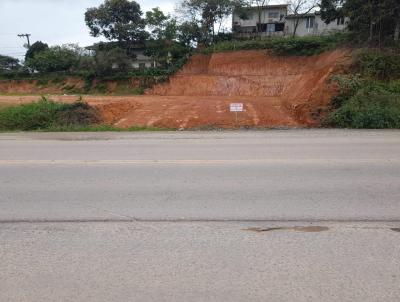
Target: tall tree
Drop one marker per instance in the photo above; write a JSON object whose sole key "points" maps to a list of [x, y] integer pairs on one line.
{"points": [[34, 49], [208, 14], [161, 26], [117, 20]]}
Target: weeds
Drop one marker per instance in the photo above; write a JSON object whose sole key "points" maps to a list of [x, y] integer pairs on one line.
{"points": [[46, 114]]}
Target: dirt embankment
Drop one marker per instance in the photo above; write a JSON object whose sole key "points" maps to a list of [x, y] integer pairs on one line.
{"points": [[74, 85], [275, 90]]}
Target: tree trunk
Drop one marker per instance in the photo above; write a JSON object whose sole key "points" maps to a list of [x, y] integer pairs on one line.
{"points": [[397, 30], [296, 25], [371, 22]]}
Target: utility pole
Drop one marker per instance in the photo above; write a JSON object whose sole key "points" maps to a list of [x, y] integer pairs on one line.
{"points": [[27, 37]]}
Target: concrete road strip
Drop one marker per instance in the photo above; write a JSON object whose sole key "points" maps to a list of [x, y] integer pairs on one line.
{"points": [[203, 162]]}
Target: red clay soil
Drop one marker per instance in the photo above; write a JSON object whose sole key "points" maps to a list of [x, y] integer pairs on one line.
{"points": [[276, 92], [34, 86]]}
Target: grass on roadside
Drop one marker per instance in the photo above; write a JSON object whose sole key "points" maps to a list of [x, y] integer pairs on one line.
{"points": [[49, 116], [46, 114], [369, 97]]}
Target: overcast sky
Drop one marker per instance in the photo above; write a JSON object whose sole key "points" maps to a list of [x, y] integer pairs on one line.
{"points": [[52, 21]]}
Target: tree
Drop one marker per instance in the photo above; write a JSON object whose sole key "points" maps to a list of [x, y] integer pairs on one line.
{"points": [[299, 9], [331, 10], [189, 33], [34, 49], [163, 27], [117, 20], [55, 59], [164, 31], [8, 64], [207, 14]]}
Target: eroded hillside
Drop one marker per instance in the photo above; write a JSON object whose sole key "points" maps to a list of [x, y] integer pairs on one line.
{"points": [[276, 91]]}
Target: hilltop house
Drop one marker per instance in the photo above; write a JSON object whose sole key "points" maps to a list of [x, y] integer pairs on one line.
{"points": [[260, 21], [274, 20]]}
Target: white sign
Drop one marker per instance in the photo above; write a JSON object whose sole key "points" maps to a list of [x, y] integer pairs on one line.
{"points": [[236, 107]]}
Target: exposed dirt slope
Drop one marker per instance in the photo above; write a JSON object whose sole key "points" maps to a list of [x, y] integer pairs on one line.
{"points": [[276, 91]]}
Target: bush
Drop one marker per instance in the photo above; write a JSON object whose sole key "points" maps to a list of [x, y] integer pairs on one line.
{"points": [[371, 110], [46, 114], [378, 64]]}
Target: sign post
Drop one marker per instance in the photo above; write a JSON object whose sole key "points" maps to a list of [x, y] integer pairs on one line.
{"points": [[236, 107]]}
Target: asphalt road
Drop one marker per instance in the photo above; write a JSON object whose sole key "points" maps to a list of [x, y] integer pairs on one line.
{"points": [[302, 215]]}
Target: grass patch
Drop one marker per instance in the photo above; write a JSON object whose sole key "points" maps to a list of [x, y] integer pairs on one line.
{"points": [[49, 116], [372, 110], [287, 46], [46, 114]]}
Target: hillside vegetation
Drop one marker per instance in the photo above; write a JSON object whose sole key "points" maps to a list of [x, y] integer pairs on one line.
{"points": [[369, 96], [288, 46]]}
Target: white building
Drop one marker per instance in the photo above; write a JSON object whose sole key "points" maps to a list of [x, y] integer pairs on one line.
{"points": [[273, 20], [265, 21], [312, 24]]}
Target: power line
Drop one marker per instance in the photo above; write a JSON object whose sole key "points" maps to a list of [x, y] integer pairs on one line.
{"points": [[9, 47]]}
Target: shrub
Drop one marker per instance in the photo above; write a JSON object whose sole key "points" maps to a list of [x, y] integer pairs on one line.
{"points": [[372, 110], [46, 114], [77, 114], [301, 46], [382, 65]]}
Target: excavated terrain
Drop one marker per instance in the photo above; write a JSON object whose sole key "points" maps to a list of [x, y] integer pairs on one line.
{"points": [[277, 91]]}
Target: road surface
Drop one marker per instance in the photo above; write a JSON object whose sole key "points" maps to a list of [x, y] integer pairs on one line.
{"points": [[299, 215]]}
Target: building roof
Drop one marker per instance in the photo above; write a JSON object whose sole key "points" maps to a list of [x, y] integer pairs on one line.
{"points": [[303, 15], [267, 7]]}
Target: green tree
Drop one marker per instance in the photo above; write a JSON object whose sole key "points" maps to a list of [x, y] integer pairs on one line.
{"points": [[189, 32], [8, 64], [117, 20], [209, 15], [34, 49], [55, 59]]}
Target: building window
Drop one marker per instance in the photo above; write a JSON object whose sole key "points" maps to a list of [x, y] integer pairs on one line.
{"points": [[270, 27], [310, 22], [273, 15], [279, 26]]}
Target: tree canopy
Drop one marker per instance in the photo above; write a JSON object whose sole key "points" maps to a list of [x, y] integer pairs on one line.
{"points": [[8, 63], [208, 14], [34, 49], [55, 59], [117, 20]]}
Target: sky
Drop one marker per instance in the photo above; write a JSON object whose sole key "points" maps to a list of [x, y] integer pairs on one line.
{"points": [[54, 22]]}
